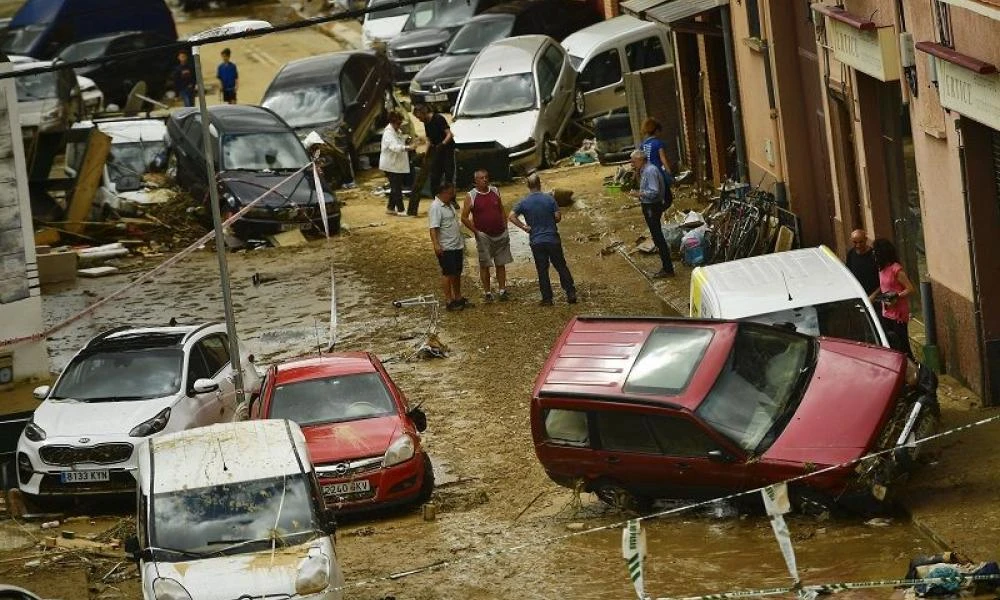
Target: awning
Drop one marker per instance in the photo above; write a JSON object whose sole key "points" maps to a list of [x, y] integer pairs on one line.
{"points": [[669, 11], [963, 60]]}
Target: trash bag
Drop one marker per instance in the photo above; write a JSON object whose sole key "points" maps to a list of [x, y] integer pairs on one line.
{"points": [[693, 247]]}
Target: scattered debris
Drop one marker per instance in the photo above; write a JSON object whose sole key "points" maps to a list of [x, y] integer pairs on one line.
{"points": [[563, 197], [432, 347], [101, 253], [287, 239], [576, 526], [97, 271], [429, 511], [878, 522]]}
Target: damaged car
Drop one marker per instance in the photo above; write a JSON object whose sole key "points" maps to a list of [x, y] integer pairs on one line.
{"points": [[254, 150], [637, 409]]}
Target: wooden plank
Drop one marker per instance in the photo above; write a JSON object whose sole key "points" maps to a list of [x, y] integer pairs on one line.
{"points": [[88, 180]]}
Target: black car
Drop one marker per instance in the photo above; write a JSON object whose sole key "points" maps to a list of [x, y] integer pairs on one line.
{"points": [[343, 96], [254, 151], [426, 34], [439, 82], [117, 77]]}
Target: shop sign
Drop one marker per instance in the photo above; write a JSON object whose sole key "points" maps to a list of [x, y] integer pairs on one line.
{"points": [[971, 94], [872, 52]]}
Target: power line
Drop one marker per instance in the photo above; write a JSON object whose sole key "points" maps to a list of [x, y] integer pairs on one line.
{"points": [[186, 45]]}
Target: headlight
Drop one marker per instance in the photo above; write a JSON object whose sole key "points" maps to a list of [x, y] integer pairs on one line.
{"points": [[313, 576], [414, 86], [230, 200], [912, 370], [169, 589], [34, 432], [154, 425], [399, 451], [523, 146]]}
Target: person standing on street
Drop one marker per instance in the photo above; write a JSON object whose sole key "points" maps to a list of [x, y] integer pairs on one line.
{"points": [[483, 214], [394, 161], [449, 245], [651, 198], [184, 80], [656, 154], [894, 290], [860, 261], [439, 162], [541, 215], [229, 78]]}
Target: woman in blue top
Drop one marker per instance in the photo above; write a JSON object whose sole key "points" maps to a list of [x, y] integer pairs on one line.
{"points": [[656, 154]]}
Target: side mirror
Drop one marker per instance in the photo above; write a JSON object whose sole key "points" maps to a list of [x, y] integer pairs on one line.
{"points": [[419, 419], [719, 456], [41, 392], [205, 386]]}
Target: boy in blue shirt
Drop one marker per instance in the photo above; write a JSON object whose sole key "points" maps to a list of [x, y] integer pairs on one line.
{"points": [[229, 77]]}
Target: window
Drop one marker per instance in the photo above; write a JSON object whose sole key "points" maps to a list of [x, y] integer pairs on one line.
{"points": [[197, 368], [548, 71], [847, 319], [645, 53], [753, 18], [350, 86], [604, 70], [680, 437], [626, 432], [216, 353], [942, 18], [668, 360], [567, 427]]}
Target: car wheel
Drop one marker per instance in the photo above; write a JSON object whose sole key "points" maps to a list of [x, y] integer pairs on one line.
{"points": [[619, 498], [579, 103], [427, 486], [550, 152]]}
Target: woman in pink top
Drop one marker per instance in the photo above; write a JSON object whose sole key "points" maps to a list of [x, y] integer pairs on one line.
{"points": [[894, 290]]}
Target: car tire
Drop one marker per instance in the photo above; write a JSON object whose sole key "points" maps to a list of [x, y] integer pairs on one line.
{"points": [[579, 103], [427, 485], [617, 497], [550, 152]]}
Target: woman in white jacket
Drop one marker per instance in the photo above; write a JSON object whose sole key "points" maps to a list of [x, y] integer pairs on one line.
{"points": [[394, 161]]}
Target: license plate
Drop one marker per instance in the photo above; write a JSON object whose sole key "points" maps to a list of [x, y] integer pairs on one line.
{"points": [[344, 489], [85, 476], [413, 68], [437, 97]]}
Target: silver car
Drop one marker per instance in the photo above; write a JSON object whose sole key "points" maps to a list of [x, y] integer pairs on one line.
{"points": [[518, 95]]}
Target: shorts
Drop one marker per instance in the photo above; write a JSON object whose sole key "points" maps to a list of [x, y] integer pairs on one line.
{"points": [[229, 95], [451, 262], [493, 250]]}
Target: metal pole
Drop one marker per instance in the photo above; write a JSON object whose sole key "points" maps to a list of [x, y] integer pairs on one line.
{"points": [[734, 94], [220, 242]]}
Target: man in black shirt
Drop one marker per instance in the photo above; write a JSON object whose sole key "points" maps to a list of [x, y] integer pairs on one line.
{"points": [[861, 261], [439, 162]]}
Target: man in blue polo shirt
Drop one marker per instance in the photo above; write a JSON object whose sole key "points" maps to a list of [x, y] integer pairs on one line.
{"points": [[229, 78], [541, 213]]}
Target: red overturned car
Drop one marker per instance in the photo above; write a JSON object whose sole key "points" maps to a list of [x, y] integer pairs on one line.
{"points": [[637, 409], [363, 437]]}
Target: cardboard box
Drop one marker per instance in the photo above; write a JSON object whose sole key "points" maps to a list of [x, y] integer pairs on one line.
{"points": [[54, 267]]}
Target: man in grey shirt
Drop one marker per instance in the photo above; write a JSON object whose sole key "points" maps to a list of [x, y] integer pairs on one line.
{"points": [[449, 245], [651, 194]]}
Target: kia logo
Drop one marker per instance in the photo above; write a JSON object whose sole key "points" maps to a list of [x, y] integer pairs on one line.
{"points": [[84, 440]]}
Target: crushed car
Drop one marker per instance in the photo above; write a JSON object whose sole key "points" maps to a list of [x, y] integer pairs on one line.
{"points": [[638, 409], [363, 436]]}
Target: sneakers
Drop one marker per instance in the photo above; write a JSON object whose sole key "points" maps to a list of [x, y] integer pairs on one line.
{"points": [[488, 297], [545, 302], [504, 296], [400, 213], [661, 274]]}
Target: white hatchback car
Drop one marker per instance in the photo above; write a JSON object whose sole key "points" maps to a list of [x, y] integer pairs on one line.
{"points": [[518, 94], [124, 386]]}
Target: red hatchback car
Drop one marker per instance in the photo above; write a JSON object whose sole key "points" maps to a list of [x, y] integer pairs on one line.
{"points": [[638, 409], [363, 437]]}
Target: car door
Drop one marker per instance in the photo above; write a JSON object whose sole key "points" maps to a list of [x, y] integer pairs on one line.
{"points": [[706, 468], [632, 457], [602, 84], [198, 410], [191, 171], [216, 351], [352, 81], [547, 76]]}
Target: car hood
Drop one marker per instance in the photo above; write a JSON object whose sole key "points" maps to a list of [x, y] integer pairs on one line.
{"points": [[383, 29], [843, 409], [71, 418], [447, 67], [333, 442], [508, 130], [245, 186], [259, 573], [420, 38]]}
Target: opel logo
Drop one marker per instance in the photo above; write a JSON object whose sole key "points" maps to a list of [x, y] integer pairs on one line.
{"points": [[84, 440], [340, 469]]}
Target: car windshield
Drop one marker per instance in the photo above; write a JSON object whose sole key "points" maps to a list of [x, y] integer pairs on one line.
{"points": [[344, 398], [132, 159], [84, 50], [668, 359], [472, 38], [440, 13], [20, 40], [304, 106], [847, 319], [120, 375], [759, 387], [270, 151], [232, 518], [498, 96], [396, 11], [40, 86]]}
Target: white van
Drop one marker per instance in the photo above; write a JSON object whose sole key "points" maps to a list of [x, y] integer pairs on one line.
{"points": [[809, 290], [232, 511], [604, 52]]}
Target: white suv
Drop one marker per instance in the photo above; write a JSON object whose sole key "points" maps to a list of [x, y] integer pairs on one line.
{"points": [[125, 385]]}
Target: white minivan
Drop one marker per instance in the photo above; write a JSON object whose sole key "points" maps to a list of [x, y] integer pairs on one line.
{"points": [[233, 511], [604, 52], [808, 290]]}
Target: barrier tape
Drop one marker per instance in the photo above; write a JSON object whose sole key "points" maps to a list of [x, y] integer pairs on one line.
{"points": [[829, 588], [148, 274], [676, 510]]}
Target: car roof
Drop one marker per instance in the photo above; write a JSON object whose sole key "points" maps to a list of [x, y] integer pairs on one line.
{"points": [[128, 130], [107, 37], [237, 118], [595, 355], [507, 56], [144, 337], [513, 7], [582, 42], [226, 453], [780, 281], [313, 68], [328, 365]]}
